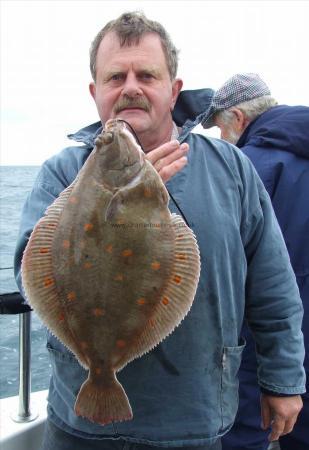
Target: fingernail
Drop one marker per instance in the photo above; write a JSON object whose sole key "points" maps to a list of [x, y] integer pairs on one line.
{"points": [[175, 143]]}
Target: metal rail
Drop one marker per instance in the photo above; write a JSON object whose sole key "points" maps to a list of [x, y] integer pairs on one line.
{"points": [[24, 413]]}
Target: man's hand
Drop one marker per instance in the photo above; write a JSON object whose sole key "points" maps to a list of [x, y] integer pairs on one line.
{"points": [[279, 413], [168, 159]]}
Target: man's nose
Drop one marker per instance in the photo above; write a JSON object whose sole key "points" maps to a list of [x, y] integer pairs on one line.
{"points": [[131, 86]]}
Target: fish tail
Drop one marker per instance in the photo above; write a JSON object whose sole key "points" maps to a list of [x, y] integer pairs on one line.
{"points": [[103, 400]]}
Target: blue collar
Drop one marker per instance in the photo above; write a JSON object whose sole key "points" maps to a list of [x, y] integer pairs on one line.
{"points": [[88, 134]]}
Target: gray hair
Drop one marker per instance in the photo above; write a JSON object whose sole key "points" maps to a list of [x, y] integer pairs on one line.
{"points": [[251, 108], [129, 28]]}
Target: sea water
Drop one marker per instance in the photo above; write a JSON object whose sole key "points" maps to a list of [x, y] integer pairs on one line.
{"points": [[15, 184]]}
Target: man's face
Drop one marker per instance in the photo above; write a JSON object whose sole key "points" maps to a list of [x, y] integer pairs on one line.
{"points": [[228, 130], [133, 83]]}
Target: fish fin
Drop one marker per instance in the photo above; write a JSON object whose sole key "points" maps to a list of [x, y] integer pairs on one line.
{"points": [[113, 209], [178, 295], [103, 400], [37, 274]]}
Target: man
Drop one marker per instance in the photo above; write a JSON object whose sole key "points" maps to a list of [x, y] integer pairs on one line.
{"points": [[186, 398], [276, 140]]}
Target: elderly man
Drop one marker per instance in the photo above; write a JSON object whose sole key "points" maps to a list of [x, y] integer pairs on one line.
{"points": [[276, 139], [186, 395]]}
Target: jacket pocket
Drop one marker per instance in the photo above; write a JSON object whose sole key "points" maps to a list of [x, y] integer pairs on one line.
{"points": [[67, 373], [231, 359]]}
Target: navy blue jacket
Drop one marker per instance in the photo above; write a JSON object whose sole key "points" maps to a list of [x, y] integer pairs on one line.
{"points": [[277, 143]]}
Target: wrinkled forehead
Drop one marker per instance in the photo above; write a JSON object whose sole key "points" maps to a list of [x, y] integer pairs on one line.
{"points": [[148, 51]]}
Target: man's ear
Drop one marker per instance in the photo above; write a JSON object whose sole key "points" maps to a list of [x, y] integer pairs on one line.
{"points": [[176, 88], [92, 89], [240, 120]]}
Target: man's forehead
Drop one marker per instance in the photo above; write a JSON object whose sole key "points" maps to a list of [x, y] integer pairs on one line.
{"points": [[111, 42], [147, 55]]}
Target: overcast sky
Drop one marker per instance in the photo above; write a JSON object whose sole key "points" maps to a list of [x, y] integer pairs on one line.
{"points": [[45, 48]]}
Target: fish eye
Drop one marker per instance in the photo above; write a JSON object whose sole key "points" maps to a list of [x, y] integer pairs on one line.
{"points": [[108, 137]]}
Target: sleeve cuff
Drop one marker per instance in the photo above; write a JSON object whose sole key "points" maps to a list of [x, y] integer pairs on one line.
{"points": [[275, 394]]}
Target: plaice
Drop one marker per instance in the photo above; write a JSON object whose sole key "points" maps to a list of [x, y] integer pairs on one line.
{"points": [[109, 270]]}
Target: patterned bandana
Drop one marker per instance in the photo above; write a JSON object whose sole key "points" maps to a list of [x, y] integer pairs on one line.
{"points": [[237, 89]]}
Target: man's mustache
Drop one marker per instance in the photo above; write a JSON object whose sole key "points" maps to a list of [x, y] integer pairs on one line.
{"points": [[127, 102]]}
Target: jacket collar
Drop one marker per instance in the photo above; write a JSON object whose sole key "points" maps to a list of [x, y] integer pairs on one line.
{"points": [[282, 127], [87, 135]]}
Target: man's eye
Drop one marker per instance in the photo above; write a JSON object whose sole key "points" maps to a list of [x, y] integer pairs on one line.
{"points": [[146, 76], [117, 77]]}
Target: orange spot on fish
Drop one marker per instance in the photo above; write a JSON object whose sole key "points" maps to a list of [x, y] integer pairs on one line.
{"points": [[181, 256], [155, 265], [127, 252], [98, 312], [177, 279], [44, 250], [88, 226], [120, 222], [180, 236], [121, 343], [109, 248], [87, 265], [49, 282], [118, 277], [66, 244], [147, 193], [73, 200], [141, 301], [84, 345], [98, 370], [71, 296], [61, 317], [165, 301]]}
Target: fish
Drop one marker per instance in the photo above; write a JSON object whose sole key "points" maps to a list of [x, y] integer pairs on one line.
{"points": [[110, 270]]}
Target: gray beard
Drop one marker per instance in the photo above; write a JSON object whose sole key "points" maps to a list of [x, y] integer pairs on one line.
{"points": [[233, 137]]}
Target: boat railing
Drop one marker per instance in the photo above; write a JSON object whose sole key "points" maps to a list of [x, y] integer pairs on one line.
{"points": [[14, 303]]}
